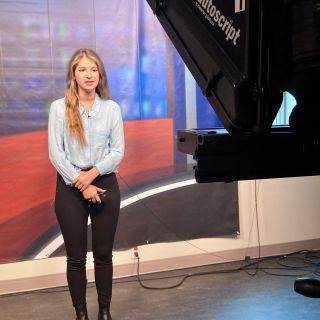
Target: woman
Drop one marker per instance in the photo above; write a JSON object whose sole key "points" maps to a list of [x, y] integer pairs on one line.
{"points": [[86, 146]]}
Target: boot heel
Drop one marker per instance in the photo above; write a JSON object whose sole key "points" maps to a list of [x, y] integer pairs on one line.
{"points": [[81, 313], [104, 314]]}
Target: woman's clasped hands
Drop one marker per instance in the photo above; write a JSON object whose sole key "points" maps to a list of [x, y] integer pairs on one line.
{"points": [[83, 183]]}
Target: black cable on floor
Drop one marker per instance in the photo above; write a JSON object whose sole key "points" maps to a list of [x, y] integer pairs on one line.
{"points": [[256, 266]]}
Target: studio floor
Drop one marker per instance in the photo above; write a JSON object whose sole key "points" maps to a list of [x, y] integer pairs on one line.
{"points": [[212, 292]]}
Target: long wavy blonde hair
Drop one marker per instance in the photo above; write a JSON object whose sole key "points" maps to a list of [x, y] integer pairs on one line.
{"points": [[73, 116]]}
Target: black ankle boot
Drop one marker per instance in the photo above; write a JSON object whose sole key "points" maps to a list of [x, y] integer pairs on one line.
{"points": [[104, 314], [81, 313]]}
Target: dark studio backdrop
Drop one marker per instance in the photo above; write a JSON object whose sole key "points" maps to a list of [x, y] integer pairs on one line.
{"points": [[147, 78]]}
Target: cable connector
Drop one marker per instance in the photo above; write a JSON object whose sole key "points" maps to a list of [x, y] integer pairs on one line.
{"points": [[135, 252]]}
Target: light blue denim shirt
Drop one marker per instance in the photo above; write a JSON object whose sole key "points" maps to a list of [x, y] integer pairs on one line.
{"points": [[103, 129]]}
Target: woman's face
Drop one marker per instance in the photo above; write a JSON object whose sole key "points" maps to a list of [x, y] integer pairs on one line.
{"points": [[86, 75]]}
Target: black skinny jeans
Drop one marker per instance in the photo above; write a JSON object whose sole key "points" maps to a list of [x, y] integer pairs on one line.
{"points": [[72, 212]]}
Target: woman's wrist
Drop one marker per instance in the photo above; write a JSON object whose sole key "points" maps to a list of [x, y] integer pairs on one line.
{"points": [[95, 172]]}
